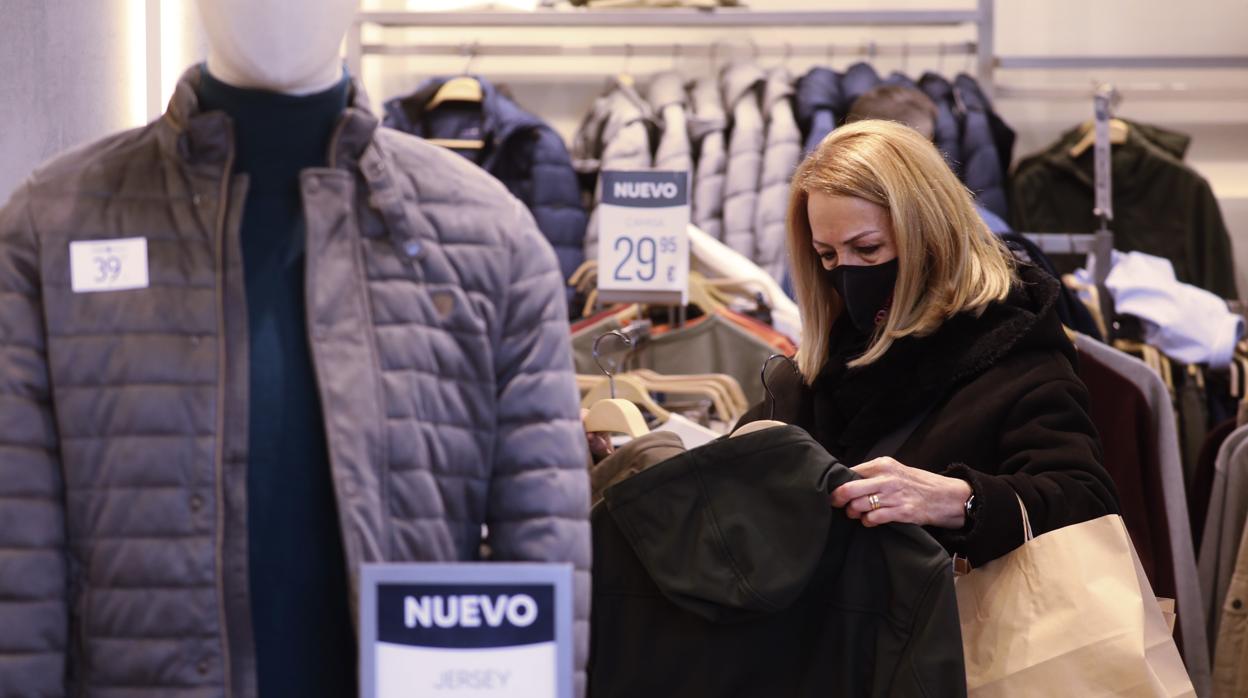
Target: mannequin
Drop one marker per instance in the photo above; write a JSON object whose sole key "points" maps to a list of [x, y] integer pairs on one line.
{"points": [[287, 46], [325, 344], [274, 69]]}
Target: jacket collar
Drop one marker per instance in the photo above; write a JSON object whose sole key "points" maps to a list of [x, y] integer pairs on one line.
{"points": [[856, 407], [820, 88], [203, 141], [739, 79], [205, 138]]}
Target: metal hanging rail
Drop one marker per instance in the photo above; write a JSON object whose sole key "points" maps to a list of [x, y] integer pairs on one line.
{"points": [[981, 18], [674, 17], [670, 50]]}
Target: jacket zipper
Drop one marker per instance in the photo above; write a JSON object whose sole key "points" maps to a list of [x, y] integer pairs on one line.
{"points": [[219, 253]]}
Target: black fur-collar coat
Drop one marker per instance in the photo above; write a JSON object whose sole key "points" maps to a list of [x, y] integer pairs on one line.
{"points": [[1007, 413]]}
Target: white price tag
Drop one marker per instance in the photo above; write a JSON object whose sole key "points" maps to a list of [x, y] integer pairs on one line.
{"points": [[108, 265], [497, 630], [643, 241]]}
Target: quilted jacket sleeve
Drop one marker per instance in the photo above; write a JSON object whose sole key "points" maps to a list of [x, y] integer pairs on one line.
{"points": [[539, 494], [34, 616]]}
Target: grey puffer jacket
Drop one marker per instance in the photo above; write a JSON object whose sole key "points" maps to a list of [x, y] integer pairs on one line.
{"points": [[615, 135], [670, 105], [741, 85], [437, 328], [781, 155], [712, 161]]}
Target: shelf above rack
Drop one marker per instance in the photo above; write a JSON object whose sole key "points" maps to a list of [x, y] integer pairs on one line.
{"points": [[720, 17]]}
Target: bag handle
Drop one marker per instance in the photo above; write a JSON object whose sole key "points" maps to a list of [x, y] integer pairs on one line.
{"points": [[962, 566], [1022, 508]]}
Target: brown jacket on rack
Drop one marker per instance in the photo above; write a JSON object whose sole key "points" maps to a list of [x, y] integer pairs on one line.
{"points": [[1161, 206]]}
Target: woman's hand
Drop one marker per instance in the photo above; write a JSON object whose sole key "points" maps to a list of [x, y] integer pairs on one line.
{"points": [[903, 495]]}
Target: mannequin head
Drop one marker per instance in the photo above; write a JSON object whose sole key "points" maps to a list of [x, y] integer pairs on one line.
{"points": [[289, 46]]}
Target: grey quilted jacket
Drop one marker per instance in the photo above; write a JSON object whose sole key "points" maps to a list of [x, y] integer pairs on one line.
{"points": [[781, 155], [741, 86], [712, 162], [615, 135], [670, 103], [437, 329]]}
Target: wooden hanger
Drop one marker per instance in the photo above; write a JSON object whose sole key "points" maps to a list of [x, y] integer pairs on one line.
{"points": [[459, 89], [700, 295], [617, 417], [1118, 132], [582, 273], [614, 414], [629, 388], [728, 386], [678, 386]]}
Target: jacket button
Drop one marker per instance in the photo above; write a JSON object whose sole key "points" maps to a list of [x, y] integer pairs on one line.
{"points": [[202, 667], [195, 340], [197, 503], [1237, 604], [313, 186], [412, 249], [197, 200]]}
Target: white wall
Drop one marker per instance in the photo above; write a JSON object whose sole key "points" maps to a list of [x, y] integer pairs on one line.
{"points": [[63, 78]]}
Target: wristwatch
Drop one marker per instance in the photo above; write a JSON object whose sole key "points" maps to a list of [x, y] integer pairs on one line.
{"points": [[971, 507]]}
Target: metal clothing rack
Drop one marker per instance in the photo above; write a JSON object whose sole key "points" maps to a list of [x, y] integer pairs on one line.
{"points": [[981, 18]]}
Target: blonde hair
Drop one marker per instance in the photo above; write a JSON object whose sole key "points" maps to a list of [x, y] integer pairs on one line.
{"points": [[948, 260]]}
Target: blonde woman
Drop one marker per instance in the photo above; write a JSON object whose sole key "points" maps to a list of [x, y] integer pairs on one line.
{"points": [[919, 327]]}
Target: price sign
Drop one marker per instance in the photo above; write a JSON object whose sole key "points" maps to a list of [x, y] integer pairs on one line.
{"points": [[496, 630], [643, 244], [108, 265]]}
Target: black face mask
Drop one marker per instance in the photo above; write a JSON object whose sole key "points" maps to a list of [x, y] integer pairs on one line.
{"points": [[867, 292]]}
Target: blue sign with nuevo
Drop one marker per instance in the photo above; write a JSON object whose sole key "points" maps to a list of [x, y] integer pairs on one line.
{"points": [[465, 616], [659, 189]]}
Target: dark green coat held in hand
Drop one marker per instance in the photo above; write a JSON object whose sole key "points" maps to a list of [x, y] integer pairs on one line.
{"points": [[1007, 413]]}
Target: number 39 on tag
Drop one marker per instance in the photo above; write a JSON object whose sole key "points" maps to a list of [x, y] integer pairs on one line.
{"points": [[643, 246], [108, 265]]}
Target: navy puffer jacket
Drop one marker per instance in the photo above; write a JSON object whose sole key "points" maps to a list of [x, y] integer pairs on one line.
{"points": [[858, 79], [948, 130], [981, 160], [817, 105], [521, 150]]}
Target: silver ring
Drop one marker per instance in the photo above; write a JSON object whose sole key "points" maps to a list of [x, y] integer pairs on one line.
{"points": [[874, 501]]}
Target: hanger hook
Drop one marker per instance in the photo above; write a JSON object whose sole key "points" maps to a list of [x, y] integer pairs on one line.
{"points": [[767, 388], [940, 57], [872, 49], [628, 59], [829, 50], [470, 56], [598, 358], [905, 57], [788, 53], [675, 55]]}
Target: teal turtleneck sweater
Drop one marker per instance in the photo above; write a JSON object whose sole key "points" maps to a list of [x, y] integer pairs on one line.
{"points": [[300, 610]]}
